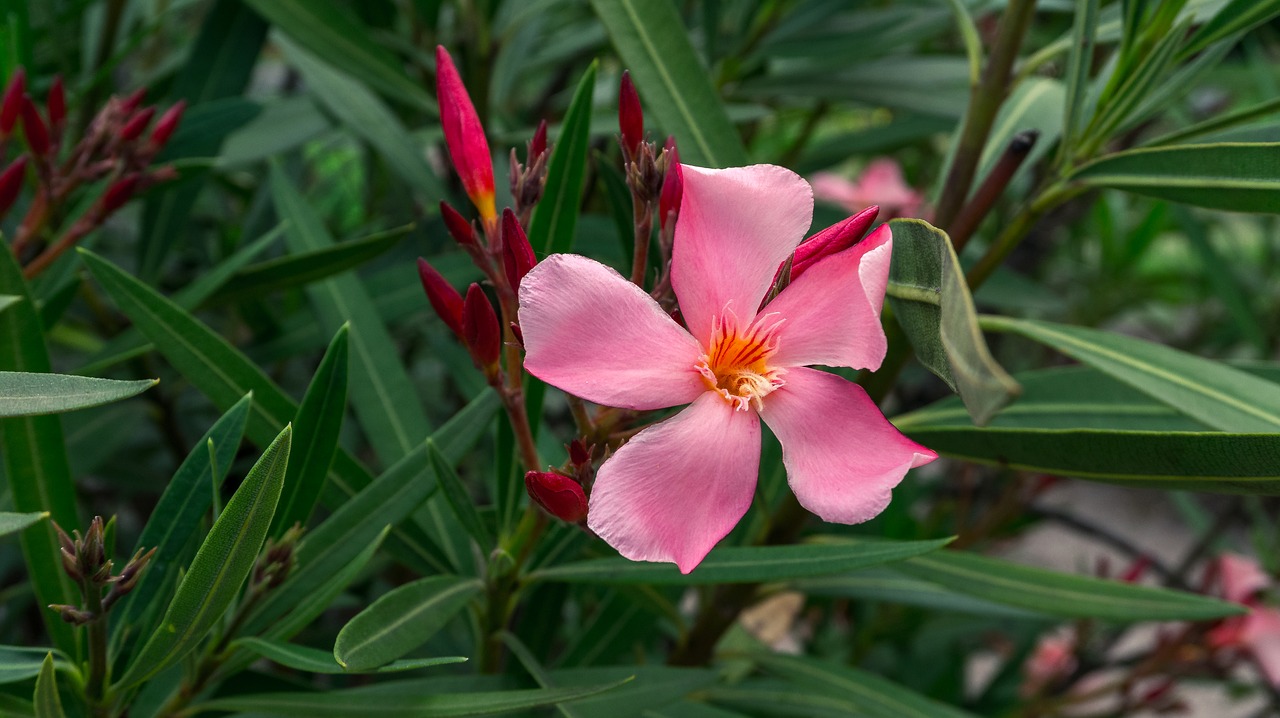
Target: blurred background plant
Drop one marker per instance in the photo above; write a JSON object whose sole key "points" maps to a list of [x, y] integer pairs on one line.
{"points": [[326, 485]]}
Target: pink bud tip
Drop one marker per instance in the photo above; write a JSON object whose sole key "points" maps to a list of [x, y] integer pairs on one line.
{"points": [[11, 105], [672, 186], [11, 183], [464, 136], [443, 297], [33, 126], [119, 193], [167, 123], [133, 129], [517, 254], [480, 327], [538, 144], [561, 496], [459, 228], [131, 103], [836, 238], [630, 116], [57, 102]]}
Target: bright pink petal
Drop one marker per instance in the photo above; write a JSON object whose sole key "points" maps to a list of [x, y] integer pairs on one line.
{"points": [[843, 457], [1261, 634], [677, 488], [832, 311], [735, 227], [596, 335], [1241, 577]]}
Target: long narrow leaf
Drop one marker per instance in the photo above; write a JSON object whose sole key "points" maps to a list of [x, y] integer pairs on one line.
{"points": [[402, 620], [1241, 177], [32, 394]]}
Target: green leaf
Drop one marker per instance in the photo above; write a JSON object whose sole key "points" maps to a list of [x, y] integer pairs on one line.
{"points": [[32, 394], [398, 700], [315, 430], [12, 523], [1037, 104], [1061, 594], [744, 564], [455, 493], [1079, 63], [47, 702], [35, 458], [887, 585], [401, 620], [555, 218], [7, 300], [930, 298], [651, 688], [219, 569], [326, 30], [1215, 394], [223, 56], [1223, 279], [652, 41], [361, 112], [1241, 177], [1238, 16], [875, 696], [176, 518], [19, 663], [776, 698], [314, 660]]}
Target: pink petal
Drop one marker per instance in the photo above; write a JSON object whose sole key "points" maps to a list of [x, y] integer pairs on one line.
{"points": [[677, 488], [735, 227], [882, 183], [596, 335], [464, 136], [843, 457], [1261, 634], [1241, 577], [832, 311], [830, 187]]}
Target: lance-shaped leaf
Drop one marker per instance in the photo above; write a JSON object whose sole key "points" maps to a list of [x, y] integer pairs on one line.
{"points": [[12, 523], [31, 394], [459, 499], [1236, 176], [7, 300], [47, 703], [314, 660], [220, 567], [931, 301], [401, 620], [876, 697], [555, 218], [20, 663]]}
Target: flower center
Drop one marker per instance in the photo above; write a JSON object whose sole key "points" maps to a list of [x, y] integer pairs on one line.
{"points": [[736, 365]]}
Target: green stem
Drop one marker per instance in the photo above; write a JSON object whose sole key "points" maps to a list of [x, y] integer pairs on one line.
{"points": [[1017, 230], [99, 664]]}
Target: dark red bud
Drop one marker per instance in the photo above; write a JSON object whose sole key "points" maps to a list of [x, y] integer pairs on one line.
{"points": [[480, 327], [33, 126], [11, 106], [459, 228], [538, 144], [119, 193], [130, 103], [134, 128], [672, 186], [517, 253], [630, 116], [443, 297], [1136, 569], [57, 103], [167, 124], [836, 238], [11, 183], [579, 453], [561, 496]]}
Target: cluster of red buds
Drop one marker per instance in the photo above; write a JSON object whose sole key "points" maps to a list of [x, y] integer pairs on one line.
{"points": [[115, 149], [561, 492], [84, 558]]}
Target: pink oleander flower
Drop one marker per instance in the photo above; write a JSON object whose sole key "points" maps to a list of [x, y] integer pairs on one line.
{"points": [[1257, 632], [678, 487], [1053, 659], [464, 136], [881, 183]]}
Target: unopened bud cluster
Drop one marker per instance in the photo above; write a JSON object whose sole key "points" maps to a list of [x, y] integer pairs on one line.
{"points": [[276, 561], [84, 559]]}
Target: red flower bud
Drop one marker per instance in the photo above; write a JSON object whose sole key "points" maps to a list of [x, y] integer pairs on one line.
{"points": [[130, 103], [579, 453], [561, 496], [459, 228], [630, 116], [443, 297], [538, 144], [11, 183], [672, 186], [57, 103], [167, 124], [11, 106], [33, 126], [119, 193], [480, 327], [517, 254], [133, 129], [464, 136], [836, 238]]}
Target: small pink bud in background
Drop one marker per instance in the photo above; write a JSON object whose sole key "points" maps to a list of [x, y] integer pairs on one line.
{"points": [[134, 128], [34, 128], [836, 238], [672, 186], [560, 496], [167, 124], [464, 136], [118, 193], [881, 184], [11, 183], [459, 228], [517, 254], [11, 105], [630, 116], [131, 103], [480, 328], [443, 297], [538, 144], [57, 103]]}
